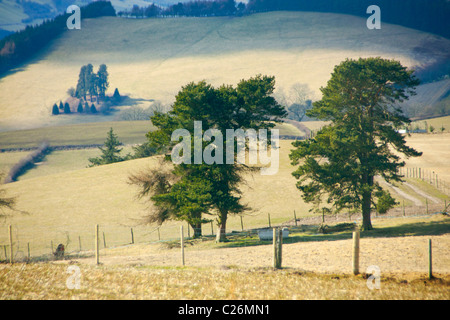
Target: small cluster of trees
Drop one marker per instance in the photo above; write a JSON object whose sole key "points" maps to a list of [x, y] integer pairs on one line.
{"points": [[197, 193], [89, 84], [94, 84]]}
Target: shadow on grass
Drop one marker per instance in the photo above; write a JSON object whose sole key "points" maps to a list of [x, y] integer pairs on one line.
{"points": [[429, 228]]}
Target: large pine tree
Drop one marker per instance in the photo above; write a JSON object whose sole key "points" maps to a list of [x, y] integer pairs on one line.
{"points": [[338, 167]]}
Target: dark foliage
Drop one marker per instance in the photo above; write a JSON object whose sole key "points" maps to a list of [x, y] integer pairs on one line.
{"points": [[22, 45], [426, 15], [27, 163]]}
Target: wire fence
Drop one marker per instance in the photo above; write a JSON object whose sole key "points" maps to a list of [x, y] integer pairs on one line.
{"points": [[38, 242], [41, 245]]}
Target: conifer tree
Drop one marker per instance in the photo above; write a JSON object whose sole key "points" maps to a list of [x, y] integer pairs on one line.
{"points": [[110, 151], [66, 108], [80, 107], [102, 80], [55, 110], [339, 165]]}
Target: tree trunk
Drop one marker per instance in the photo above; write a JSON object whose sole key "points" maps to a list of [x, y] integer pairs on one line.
{"points": [[221, 232], [366, 203], [366, 222], [197, 230]]}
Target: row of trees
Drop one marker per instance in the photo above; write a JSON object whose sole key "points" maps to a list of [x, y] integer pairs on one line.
{"points": [[200, 8], [20, 46], [65, 108]]}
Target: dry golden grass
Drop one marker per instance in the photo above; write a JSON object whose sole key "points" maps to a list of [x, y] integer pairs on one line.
{"points": [[436, 153], [48, 281]]}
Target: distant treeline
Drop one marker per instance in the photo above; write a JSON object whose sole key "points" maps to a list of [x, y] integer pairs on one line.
{"points": [[426, 15], [18, 47], [200, 8]]}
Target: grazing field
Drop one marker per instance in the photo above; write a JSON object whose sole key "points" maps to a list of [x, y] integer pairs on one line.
{"points": [[65, 200], [150, 59], [314, 267], [437, 123], [129, 132]]}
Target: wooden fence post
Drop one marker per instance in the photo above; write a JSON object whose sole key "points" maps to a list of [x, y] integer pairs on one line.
{"points": [[355, 252], [132, 236], [104, 240], [28, 256], [242, 224], [280, 247], [277, 247], [274, 241], [11, 256], [79, 242], [295, 218], [430, 260], [182, 245], [97, 256], [268, 215]]}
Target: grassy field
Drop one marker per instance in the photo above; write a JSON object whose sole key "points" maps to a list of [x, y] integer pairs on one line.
{"points": [[65, 200], [150, 59], [315, 266], [48, 281], [129, 132], [437, 123]]}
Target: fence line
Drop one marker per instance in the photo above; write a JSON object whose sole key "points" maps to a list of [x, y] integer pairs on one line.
{"points": [[426, 175], [18, 247]]}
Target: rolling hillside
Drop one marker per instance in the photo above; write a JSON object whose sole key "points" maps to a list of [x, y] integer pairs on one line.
{"points": [[150, 59], [64, 199]]}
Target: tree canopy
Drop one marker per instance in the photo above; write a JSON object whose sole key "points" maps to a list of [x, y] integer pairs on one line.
{"points": [[193, 190]]}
